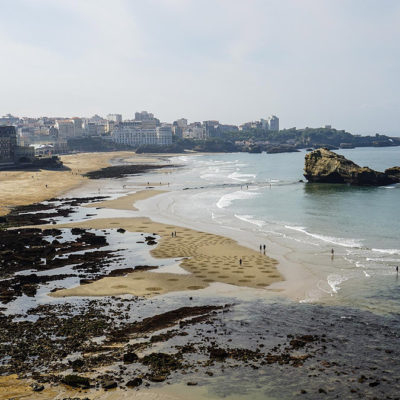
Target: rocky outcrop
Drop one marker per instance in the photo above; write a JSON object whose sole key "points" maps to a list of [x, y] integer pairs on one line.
{"points": [[325, 166]]}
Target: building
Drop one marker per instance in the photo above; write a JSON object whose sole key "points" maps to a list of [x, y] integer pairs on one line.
{"points": [[143, 116], [195, 131], [65, 128], [142, 132], [8, 144], [211, 128], [116, 118], [164, 134], [78, 126], [273, 123]]}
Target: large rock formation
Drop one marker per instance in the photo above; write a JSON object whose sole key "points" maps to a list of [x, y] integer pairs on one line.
{"points": [[322, 165]]}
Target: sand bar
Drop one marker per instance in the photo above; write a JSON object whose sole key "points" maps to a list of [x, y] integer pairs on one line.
{"points": [[208, 257], [126, 202]]}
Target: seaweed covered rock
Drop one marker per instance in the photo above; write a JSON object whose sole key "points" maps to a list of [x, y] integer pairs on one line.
{"points": [[323, 165]]}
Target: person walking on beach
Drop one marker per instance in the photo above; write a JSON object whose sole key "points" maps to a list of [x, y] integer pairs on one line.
{"points": [[240, 261], [264, 248], [397, 269], [260, 248], [332, 251]]}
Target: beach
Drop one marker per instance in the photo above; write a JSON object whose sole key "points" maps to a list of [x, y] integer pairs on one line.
{"points": [[148, 279]]}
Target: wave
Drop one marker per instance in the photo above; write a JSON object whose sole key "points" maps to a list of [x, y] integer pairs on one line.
{"points": [[328, 239], [250, 219], [227, 199], [387, 251], [241, 177], [334, 280]]}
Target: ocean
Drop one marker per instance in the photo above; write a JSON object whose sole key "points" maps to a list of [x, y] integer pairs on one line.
{"points": [[260, 198]]}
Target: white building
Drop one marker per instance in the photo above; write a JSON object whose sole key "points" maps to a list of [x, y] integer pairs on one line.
{"points": [[117, 118], [65, 128], [195, 132], [137, 133]]}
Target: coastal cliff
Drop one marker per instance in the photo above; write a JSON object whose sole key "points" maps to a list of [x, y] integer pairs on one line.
{"points": [[325, 166]]}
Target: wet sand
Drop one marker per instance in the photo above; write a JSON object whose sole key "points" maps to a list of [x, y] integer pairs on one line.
{"points": [[207, 257], [13, 388], [126, 202]]}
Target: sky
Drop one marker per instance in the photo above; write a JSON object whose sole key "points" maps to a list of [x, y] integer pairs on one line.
{"points": [[310, 62]]}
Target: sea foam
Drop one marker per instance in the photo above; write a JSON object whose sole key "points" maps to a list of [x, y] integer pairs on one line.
{"points": [[227, 199], [328, 239]]}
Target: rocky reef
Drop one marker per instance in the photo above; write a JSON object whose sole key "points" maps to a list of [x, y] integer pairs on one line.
{"points": [[325, 166]]}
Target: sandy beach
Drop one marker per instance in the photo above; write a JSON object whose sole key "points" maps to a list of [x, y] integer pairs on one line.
{"points": [[27, 187]]}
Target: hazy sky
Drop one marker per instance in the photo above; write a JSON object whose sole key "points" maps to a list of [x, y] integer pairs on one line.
{"points": [[311, 62]]}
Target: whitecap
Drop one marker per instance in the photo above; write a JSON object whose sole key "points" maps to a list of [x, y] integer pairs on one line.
{"points": [[241, 177], [329, 239], [334, 280], [227, 199], [387, 251], [250, 219]]}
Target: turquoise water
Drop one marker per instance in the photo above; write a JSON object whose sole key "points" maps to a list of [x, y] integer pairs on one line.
{"points": [[261, 194]]}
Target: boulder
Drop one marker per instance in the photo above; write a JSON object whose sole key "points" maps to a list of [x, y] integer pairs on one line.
{"points": [[325, 166]]}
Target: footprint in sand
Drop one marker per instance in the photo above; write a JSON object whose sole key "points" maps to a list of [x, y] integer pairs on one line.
{"points": [[119, 287], [173, 279], [153, 289], [195, 287]]}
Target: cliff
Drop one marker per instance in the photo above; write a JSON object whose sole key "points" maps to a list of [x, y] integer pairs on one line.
{"points": [[325, 166]]}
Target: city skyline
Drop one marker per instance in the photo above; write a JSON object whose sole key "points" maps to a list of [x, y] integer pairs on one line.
{"points": [[311, 63]]}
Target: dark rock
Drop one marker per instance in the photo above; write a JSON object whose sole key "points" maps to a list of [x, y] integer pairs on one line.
{"points": [[121, 230], [325, 166], [157, 378], [134, 382], [130, 357], [192, 384], [76, 364], [109, 385], [322, 391], [76, 381], [36, 387], [373, 384], [218, 354]]}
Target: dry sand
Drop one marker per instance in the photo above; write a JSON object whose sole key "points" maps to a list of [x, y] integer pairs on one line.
{"points": [[27, 187], [208, 257]]}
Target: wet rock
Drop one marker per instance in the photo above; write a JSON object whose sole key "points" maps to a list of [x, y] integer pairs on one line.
{"points": [[76, 381], [37, 387], [323, 165], [191, 383], [134, 382], [121, 230], [109, 385], [373, 384], [157, 378], [130, 357], [218, 354]]}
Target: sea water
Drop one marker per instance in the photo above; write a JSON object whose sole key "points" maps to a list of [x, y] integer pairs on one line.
{"points": [[262, 195]]}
